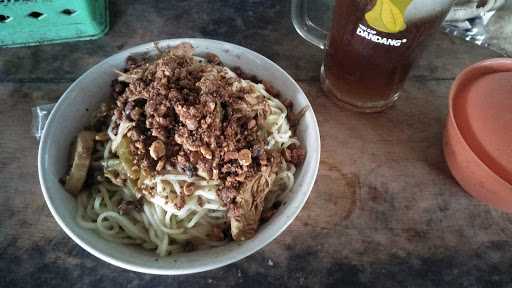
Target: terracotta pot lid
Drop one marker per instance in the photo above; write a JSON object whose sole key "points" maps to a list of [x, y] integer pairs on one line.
{"points": [[484, 117], [479, 131]]}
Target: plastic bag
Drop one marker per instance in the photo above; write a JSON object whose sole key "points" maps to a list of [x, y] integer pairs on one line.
{"points": [[40, 115], [468, 19]]}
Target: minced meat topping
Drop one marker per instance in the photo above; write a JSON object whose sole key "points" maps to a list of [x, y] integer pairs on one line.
{"points": [[195, 117]]}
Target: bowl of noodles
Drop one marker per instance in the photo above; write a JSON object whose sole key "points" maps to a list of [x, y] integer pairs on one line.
{"points": [[179, 156]]}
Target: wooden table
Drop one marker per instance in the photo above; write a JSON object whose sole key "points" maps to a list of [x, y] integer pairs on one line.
{"points": [[385, 210]]}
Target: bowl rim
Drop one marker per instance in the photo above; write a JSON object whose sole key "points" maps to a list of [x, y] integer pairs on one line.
{"points": [[177, 271], [487, 66]]}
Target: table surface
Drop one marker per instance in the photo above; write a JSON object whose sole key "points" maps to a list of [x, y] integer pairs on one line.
{"points": [[384, 211]]}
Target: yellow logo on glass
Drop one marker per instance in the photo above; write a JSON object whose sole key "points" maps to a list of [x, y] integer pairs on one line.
{"points": [[388, 15]]}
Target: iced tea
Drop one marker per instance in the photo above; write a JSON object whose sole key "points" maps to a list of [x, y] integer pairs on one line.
{"points": [[371, 47]]}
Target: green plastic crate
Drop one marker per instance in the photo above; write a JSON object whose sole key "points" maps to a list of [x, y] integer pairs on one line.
{"points": [[34, 22]]}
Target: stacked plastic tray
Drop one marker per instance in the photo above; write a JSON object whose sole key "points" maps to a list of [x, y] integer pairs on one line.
{"points": [[34, 22]]}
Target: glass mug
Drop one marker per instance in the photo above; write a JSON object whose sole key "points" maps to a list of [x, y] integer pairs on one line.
{"points": [[371, 46]]}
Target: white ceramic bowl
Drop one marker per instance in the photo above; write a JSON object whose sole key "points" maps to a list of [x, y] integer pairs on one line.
{"points": [[74, 110]]}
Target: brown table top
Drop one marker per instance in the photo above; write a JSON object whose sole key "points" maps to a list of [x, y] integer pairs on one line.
{"points": [[384, 211]]}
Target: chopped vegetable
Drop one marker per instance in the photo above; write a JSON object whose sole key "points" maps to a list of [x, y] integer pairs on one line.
{"points": [[123, 150]]}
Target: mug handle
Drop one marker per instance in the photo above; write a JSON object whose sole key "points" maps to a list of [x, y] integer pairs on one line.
{"points": [[307, 29]]}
